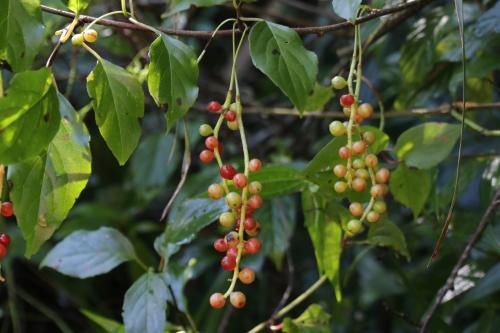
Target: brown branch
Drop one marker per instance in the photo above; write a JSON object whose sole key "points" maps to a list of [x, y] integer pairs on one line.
{"points": [[485, 220], [319, 30]]}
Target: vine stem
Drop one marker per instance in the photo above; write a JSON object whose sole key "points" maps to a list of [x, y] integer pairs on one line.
{"points": [[353, 106], [202, 54], [103, 16], [91, 51], [292, 304]]}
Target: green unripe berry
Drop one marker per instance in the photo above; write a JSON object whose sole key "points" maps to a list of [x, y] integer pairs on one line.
{"points": [[255, 187], [77, 40], [358, 164], [233, 125], [227, 219], [337, 128], [90, 35], [206, 130], [233, 200], [373, 217], [340, 187], [380, 207], [354, 226], [338, 82]]}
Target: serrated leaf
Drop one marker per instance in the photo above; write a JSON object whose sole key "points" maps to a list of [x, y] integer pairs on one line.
{"points": [[278, 52], [21, 32], [387, 234], [77, 5], [44, 188], [278, 180], [320, 96], [108, 325], [173, 76], [118, 101], [85, 254], [192, 215], [313, 320], [29, 117], [145, 305], [347, 9], [426, 145], [326, 236], [411, 187]]}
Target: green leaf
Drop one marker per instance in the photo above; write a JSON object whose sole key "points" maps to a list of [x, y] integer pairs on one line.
{"points": [[29, 117], [85, 254], [173, 76], [278, 52], [21, 32], [190, 216], [108, 325], [152, 164], [487, 23], [77, 5], [145, 305], [320, 96], [387, 234], [347, 9], [44, 188], [426, 145], [411, 187], [328, 156], [313, 320], [278, 180], [326, 236], [180, 5], [277, 219], [487, 286], [118, 102]]}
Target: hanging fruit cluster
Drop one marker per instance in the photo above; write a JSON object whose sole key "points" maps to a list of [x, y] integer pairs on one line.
{"points": [[242, 198], [360, 171]]}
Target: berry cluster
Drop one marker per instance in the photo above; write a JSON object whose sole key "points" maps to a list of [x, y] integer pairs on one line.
{"points": [[242, 198], [361, 166]]}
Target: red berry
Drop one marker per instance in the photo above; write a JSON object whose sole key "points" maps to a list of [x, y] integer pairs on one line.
{"points": [[220, 245], [206, 156], [246, 275], [365, 110], [255, 231], [255, 201], [371, 160], [227, 171], [358, 147], [211, 142], [382, 176], [254, 165], [240, 180], [7, 209], [228, 263], [346, 100], [3, 250], [217, 300], [5, 239], [252, 245], [214, 106], [359, 184], [250, 223], [230, 115], [344, 153], [232, 252]]}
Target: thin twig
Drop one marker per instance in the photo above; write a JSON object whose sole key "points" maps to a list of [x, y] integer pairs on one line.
{"points": [[319, 30], [53, 54], [485, 220]]}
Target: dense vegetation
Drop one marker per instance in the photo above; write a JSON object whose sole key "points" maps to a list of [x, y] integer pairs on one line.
{"points": [[132, 145]]}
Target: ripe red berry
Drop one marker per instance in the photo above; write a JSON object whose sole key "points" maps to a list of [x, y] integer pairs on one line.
{"points": [[211, 142], [377, 191], [346, 100], [227, 171], [206, 156], [359, 184], [358, 147], [238, 299], [5, 240], [253, 245], [7, 209], [3, 250], [356, 209], [371, 160], [220, 245], [230, 115], [214, 106], [228, 263], [254, 232], [382, 176], [232, 252], [255, 201], [344, 153], [232, 239], [365, 110], [240, 180], [246, 275], [217, 300], [254, 165], [250, 223]]}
